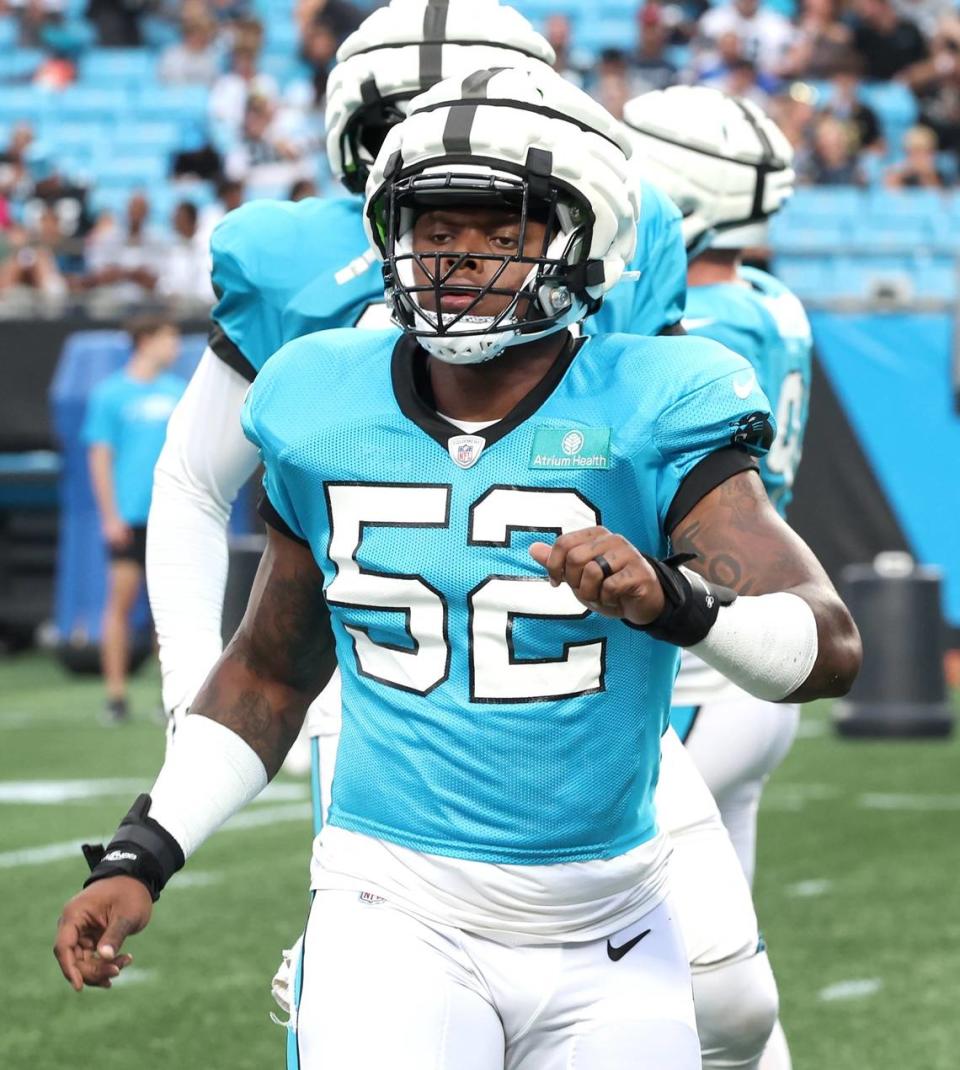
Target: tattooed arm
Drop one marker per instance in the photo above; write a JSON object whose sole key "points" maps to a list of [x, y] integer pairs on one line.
{"points": [[280, 658], [741, 542]]}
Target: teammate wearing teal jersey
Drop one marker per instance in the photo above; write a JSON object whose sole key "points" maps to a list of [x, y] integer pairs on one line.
{"points": [[490, 888], [732, 170]]}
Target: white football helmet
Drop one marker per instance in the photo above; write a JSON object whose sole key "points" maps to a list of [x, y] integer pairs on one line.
{"points": [[403, 49], [725, 164], [505, 138]]}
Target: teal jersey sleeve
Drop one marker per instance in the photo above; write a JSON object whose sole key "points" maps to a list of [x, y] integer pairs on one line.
{"points": [[100, 426], [282, 270], [760, 319], [652, 294], [720, 406]]}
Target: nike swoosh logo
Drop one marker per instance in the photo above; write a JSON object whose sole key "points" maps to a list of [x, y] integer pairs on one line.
{"points": [[616, 953], [744, 387], [694, 322]]}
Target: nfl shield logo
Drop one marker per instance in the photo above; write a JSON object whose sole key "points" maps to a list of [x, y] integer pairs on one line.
{"points": [[465, 449]]}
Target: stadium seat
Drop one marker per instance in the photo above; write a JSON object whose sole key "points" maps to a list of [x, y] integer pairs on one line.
{"points": [[110, 67], [831, 201], [127, 171], [81, 102], [790, 232], [162, 137], [8, 32], [596, 34], [898, 231], [26, 104], [18, 64], [809, 277], [172, 103]]}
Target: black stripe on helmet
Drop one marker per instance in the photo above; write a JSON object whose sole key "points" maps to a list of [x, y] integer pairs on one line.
{"points": [[456, 132], [431, 47]]}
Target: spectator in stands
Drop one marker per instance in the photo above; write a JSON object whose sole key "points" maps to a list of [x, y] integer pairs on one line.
{"points": [[123, 264], [559, 33], [765, 36], [919, 169], [228, 98], [118, 22], [272, 151], [65, 198], [124, 430], [927, 14], [845, 104], [832, 160], [30, 281], [651, 67], [318, 50], [885, 43], [822, 44], [302, 189], [612, 84], [793, 111], [195, 60], [229, 196], [185, 273], [15, 181], [936, 82]]}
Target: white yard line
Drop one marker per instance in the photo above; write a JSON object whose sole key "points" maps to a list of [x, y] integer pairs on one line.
{"points": [[922, 803], [57, 852], [809, 889], [55, 792], [854, 989]]}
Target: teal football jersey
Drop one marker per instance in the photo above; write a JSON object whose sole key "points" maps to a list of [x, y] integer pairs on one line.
{"points": [[652, 294], [486, 714], [283, 269], [764, 322]]}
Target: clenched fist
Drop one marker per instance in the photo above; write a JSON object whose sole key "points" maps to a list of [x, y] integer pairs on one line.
{"points": [[605, 572]]}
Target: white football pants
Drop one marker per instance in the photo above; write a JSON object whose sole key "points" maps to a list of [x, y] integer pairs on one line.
{"points": [[736, 744], [708, 890], [379, 989]]}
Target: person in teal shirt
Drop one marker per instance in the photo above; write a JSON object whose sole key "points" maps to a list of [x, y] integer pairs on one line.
{"points": [[124, 430]]}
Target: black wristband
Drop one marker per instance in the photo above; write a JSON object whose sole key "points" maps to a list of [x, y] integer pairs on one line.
{"points": [[141, 848], [690, 607]]}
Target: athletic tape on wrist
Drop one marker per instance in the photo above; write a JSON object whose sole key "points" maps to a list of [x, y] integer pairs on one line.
{"points": [[141, 848], [690, 605]]}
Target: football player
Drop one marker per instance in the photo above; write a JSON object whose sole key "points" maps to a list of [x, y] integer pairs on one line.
{"points": [[284, 269], [490, 886], [729, 168]]}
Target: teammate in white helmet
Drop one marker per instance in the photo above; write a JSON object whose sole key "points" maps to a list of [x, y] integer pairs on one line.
{"points": [[490, 888], [729, 168]]}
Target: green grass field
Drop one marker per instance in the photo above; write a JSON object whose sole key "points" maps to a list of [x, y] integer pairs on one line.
{"points": [[857, 892]]}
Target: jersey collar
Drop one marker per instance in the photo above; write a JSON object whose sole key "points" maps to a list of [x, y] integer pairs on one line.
{"points": [[411, 387]]}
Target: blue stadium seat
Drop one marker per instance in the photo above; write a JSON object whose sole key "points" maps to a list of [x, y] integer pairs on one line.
{"points": [[790, 232], [172, 103], [111, 199], [128, 172], [900, 231], [858, 276], [8, 32], [596, 34], [80, 102], [929, 203], [936, 277], [109, 67], [26, 104], [72, 135], [18, 63], [809, 277], [832, 201], [162, 136]]}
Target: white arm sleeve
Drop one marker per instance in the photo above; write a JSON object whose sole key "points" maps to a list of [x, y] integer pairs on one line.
{"points": [[205, 461]]}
